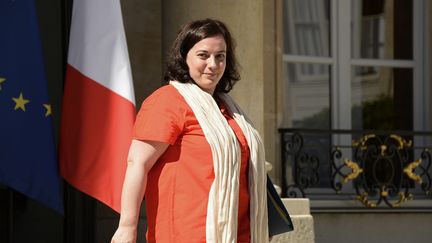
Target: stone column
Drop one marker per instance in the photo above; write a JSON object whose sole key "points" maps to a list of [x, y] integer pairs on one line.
{"points": [[143, 28]]}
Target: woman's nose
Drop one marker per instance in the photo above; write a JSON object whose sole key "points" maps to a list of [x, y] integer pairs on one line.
{"points": [[211, 62]]}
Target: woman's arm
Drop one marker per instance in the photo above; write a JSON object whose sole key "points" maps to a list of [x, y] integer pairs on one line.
{"points": [[141, 158]]}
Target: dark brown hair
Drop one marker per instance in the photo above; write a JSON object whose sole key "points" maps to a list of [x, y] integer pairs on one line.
{"points": [[189, 35]]}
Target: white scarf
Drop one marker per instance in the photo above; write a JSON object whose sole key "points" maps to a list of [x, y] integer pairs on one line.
{"points": [[222, 209]]}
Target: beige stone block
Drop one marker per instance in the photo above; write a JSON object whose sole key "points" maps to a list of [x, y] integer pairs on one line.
{"points": [[299, 210], [297, 206]]}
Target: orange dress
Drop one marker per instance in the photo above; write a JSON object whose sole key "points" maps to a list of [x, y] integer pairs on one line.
{"points": [[178, 185]]}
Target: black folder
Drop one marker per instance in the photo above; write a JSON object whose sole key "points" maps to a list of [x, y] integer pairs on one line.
{"points": [[279, 221]]}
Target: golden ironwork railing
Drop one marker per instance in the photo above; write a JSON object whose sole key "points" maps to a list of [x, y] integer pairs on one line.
{"points": [[373, 167]]}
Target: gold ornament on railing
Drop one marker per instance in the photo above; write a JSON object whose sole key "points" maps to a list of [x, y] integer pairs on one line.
{"points": [[409, 171], [362, 144], [402, 142], [356, 170]]}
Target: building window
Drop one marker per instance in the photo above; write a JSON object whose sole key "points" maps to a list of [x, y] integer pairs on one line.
{"points": [[353, 66]]}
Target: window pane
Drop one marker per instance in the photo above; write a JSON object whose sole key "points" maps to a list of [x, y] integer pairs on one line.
{"points": [[382, 29], [306, 98], [382, 98], [307, 27]]}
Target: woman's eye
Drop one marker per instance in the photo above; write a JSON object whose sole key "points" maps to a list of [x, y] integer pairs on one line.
{"points": [[220, 56], [202, 55]]}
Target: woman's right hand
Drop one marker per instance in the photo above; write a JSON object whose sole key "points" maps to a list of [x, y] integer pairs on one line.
{"points": [[125, 234]]}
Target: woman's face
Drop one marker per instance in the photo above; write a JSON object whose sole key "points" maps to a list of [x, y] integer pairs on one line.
{"points": [[207, 61]]}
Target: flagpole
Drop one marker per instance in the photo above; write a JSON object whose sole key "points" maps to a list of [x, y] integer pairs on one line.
{"points": [[6, 209], [66, 6], [10, 214]]}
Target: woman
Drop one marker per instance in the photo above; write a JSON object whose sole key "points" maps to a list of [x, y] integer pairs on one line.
{"points": [[194, 154]]}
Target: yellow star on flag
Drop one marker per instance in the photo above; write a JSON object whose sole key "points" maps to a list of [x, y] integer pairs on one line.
{"points": [[48, 109], [1, 81], [20, 102]]}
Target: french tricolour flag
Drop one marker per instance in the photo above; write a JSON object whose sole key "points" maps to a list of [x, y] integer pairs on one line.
{"points": [[98, 104]]}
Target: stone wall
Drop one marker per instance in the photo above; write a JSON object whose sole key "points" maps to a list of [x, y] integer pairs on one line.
{"points": [[373, 227]]}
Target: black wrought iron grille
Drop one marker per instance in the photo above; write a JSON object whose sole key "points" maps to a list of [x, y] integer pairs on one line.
{"points": [[375, 168]]}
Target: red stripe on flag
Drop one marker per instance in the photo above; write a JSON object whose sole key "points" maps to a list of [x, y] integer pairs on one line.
{"points": [[95, 136]]}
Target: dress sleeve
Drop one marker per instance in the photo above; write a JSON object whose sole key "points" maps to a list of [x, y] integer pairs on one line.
{"points": [[161, 117]]}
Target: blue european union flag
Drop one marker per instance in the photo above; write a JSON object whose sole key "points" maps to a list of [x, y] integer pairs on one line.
{"points": [[28, 159]]}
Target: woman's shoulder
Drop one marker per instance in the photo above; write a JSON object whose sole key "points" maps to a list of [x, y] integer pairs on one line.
{"points": [[165, 97], [166, 93], [161, 116], [166, 90]]}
